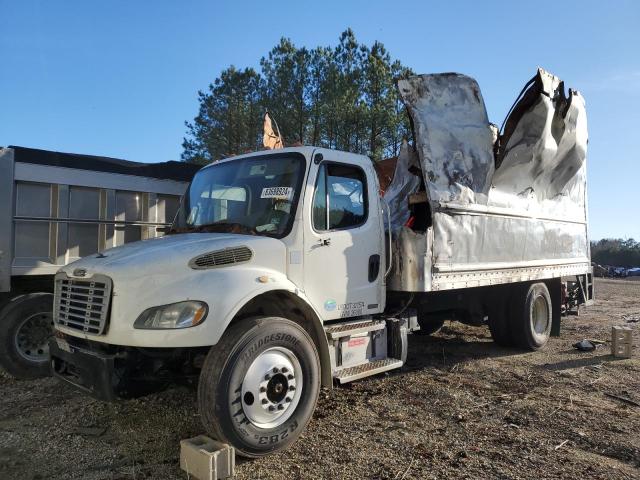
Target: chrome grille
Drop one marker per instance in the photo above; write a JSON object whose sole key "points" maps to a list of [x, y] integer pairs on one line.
{"points": [[220, 258], [82, 304]]}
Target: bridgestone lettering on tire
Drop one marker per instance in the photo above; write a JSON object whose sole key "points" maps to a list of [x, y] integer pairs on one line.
{"points": [[25, 327], [259, 385], [532, 316]]}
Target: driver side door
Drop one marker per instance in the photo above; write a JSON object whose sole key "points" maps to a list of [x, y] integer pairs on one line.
{"points": [[342, 266]]}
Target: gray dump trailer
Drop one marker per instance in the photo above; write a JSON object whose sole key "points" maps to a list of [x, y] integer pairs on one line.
{"points": [[56, 208]]}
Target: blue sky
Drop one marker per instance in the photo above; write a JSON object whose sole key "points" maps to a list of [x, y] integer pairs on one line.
{"points": [[120, 78]]}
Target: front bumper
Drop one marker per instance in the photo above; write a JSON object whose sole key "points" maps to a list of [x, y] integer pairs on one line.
{"points": [[89, 371], [109, 372]]}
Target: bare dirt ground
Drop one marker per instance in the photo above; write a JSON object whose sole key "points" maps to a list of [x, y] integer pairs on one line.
{"points": [[461, 408]]}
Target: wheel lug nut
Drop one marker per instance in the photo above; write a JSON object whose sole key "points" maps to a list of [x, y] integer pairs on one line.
{"points": [[271, 408], [280, 407], [263, 389], [275, 369], [267, 376], [291, 388], [290, 377], [265, 401], [285, 369], [288, 399]]}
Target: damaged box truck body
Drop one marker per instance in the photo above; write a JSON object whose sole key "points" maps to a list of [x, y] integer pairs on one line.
{"points": [[489, 208], [290, 271]]}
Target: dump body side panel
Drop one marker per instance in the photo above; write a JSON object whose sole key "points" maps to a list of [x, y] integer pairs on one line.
{"points": [[6, 214], [56, 208]]}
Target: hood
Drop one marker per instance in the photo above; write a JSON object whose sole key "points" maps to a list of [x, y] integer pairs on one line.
{"points": [[172, 253]]}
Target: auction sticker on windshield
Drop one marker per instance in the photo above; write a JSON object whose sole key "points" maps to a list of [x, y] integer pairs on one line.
{"points": [[277, 192]]}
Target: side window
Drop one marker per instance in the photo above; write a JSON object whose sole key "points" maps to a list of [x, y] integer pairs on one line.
{"points": [[340, 199]]}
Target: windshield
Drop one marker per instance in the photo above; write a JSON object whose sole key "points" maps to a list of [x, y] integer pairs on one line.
{"points": [[256, 195]]}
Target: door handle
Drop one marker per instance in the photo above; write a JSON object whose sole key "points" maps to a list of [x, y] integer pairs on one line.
{"points": [[324, 242]]}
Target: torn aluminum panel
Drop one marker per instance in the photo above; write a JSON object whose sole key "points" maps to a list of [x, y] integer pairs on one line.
{"points": [[453, 135], [542, 151], [403, 184], [523, 220]]}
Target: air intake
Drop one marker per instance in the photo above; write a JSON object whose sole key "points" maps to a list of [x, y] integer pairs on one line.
{"points": [[221, 258]]}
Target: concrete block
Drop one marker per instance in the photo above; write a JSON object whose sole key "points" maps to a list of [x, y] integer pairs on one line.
{"points": [[621, 342], [206, 459]]}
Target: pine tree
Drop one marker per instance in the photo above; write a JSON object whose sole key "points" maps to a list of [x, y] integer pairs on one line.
{"points": [[342, 97], [229, 120]]}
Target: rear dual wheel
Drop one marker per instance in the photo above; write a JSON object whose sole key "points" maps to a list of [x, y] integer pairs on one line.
{"points": [[524, 320], [259, 385]]}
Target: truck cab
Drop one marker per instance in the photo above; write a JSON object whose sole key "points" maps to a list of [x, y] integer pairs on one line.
{"points": [[277, 218], [291, 239]]}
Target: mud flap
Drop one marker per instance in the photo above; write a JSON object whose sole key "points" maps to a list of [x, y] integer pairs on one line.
{"points": [[398, 345], [555, 291]]}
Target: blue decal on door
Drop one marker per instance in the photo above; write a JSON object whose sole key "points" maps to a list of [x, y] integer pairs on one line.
{"points": [[330, 305]]}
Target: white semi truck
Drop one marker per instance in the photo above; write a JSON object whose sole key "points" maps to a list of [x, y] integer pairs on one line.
{"points": [[56, 208], [291, 270]]}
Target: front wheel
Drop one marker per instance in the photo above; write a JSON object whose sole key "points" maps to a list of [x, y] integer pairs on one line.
{"points": [[26, 324], [259, 385]]}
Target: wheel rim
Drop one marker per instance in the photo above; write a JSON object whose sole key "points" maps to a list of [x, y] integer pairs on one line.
{"points": [[540, 315], [32, 338], [272, 388]]}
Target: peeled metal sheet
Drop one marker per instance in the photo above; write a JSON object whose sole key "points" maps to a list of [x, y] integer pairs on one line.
{"points": [[402, 185], [453, 137], [518, 201], [542, 156]]}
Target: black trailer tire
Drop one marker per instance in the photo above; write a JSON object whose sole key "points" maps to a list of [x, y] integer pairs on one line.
{"points": [[25, 328], [499, 322], [532, 316], [258, 364], [429, 327], [428, 324]]}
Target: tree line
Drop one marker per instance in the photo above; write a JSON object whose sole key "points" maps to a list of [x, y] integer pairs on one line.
{"points": [[341, 97], [616, 252]]}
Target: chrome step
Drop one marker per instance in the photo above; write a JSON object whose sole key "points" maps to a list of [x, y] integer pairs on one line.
{"points": [[353, 328], [349, 374]]}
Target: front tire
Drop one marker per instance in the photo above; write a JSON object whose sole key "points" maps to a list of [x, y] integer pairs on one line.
{"points": [[26, 323], [259, 385]]}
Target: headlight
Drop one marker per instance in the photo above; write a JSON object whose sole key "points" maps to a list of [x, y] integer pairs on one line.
{"points": [[176, 315]]}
